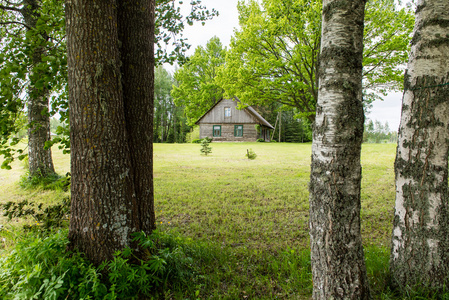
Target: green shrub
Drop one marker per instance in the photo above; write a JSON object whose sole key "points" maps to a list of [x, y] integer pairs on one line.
{"points": [[205, 149], [196, 141], [250, 154], [260, 140]]}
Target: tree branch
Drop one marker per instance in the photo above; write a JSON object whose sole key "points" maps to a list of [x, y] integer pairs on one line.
{"points": [[15, 22]]}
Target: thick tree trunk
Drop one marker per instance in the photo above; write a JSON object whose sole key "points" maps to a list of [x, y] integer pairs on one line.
{"points": [[338, 265], [39, 159], [420, 240], [136, 32], [110, 65]]}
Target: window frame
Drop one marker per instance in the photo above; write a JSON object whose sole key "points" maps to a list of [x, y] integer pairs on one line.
{"points": [[235, 130], [213, 130], [227, 109]]}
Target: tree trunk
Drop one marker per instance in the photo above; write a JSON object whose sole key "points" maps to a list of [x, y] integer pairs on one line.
{"points": [[338, 265], [136, 33], [110, 67], [39, 158], [419, 253]]}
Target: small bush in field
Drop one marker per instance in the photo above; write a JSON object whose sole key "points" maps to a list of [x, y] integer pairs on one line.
{"points": [[250, 154], [205, 148]]}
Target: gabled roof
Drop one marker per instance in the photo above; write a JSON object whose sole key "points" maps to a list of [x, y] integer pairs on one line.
{"points": [[248, 109]]}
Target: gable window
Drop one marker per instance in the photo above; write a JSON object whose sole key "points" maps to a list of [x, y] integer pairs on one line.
{"points": [[216, 130], [227, 111]]}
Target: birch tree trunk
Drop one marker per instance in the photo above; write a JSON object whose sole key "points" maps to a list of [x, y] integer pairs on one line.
{"points": [[110, 67], [419, 249], [338, 265]]}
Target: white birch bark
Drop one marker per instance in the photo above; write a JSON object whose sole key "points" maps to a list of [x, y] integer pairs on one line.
{"points": [[338, 266], [420, 229]]}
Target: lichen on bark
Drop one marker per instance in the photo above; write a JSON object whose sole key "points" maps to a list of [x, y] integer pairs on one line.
{"points": [[420, 227]]}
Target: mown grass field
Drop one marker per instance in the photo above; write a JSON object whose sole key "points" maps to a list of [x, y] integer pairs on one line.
{"points": [[250, 215]]}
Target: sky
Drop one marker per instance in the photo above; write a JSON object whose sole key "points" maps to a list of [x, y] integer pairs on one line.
{"points": [[223, 26]]}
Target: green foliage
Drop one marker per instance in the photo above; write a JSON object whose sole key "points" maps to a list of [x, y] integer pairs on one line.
{"points": [[46, 218], [41, 268], [196, 141], [169, 26], [194, 134], [169, 122], [376, 132], [196, 89], [32, 65], [260, 140], [387, 35], [205, 148], [274, 56], [22, 70], [250, 154]]}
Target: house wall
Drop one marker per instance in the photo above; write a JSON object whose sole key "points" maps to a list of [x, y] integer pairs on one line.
{"points": [[227, 132], [217, 115]]}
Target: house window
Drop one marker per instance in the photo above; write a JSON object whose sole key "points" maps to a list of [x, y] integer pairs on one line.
{"points": [[216, 130], [238, 130], [227, 111]]}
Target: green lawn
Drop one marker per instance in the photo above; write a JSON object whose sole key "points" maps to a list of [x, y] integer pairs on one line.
{"points": [[253, 214], [262, 203]]}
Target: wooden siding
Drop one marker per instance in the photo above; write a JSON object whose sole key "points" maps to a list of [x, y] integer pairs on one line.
{"points": [[227, 132], [217, 115]]}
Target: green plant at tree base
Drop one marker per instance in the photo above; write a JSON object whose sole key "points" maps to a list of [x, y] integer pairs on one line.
{"points": [[205, 149], [52, 182], [250, 154], [42, 268]]}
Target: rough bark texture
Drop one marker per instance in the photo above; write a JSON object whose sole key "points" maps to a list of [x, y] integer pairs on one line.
{"points": [[338, 266], [111, 107], [136, 26], [39, 159], [419, 253]]}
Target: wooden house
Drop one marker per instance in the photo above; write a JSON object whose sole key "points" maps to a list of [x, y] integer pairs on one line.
{"points": [[224, 122]]}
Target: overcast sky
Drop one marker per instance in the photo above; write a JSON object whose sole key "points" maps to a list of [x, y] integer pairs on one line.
{"points": [[223, 27]]}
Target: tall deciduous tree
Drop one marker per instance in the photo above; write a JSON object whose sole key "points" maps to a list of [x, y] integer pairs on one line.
{"points": [[420, 240], [110, 64], [197, 90], [338, 265], [275, 54], [33, 60], [32, 38]]}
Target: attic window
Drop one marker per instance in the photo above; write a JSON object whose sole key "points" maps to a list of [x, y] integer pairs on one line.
{"points": [[227, 111]]}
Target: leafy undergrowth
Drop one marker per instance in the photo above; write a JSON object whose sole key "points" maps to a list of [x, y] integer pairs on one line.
{"points": [[174, 268], [41, 268]]}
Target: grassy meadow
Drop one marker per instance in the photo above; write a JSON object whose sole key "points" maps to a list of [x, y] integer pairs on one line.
{"points": [[249, 218]]}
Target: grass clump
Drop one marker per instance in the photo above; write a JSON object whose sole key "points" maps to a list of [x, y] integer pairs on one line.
{"points": [[50, 182]]}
